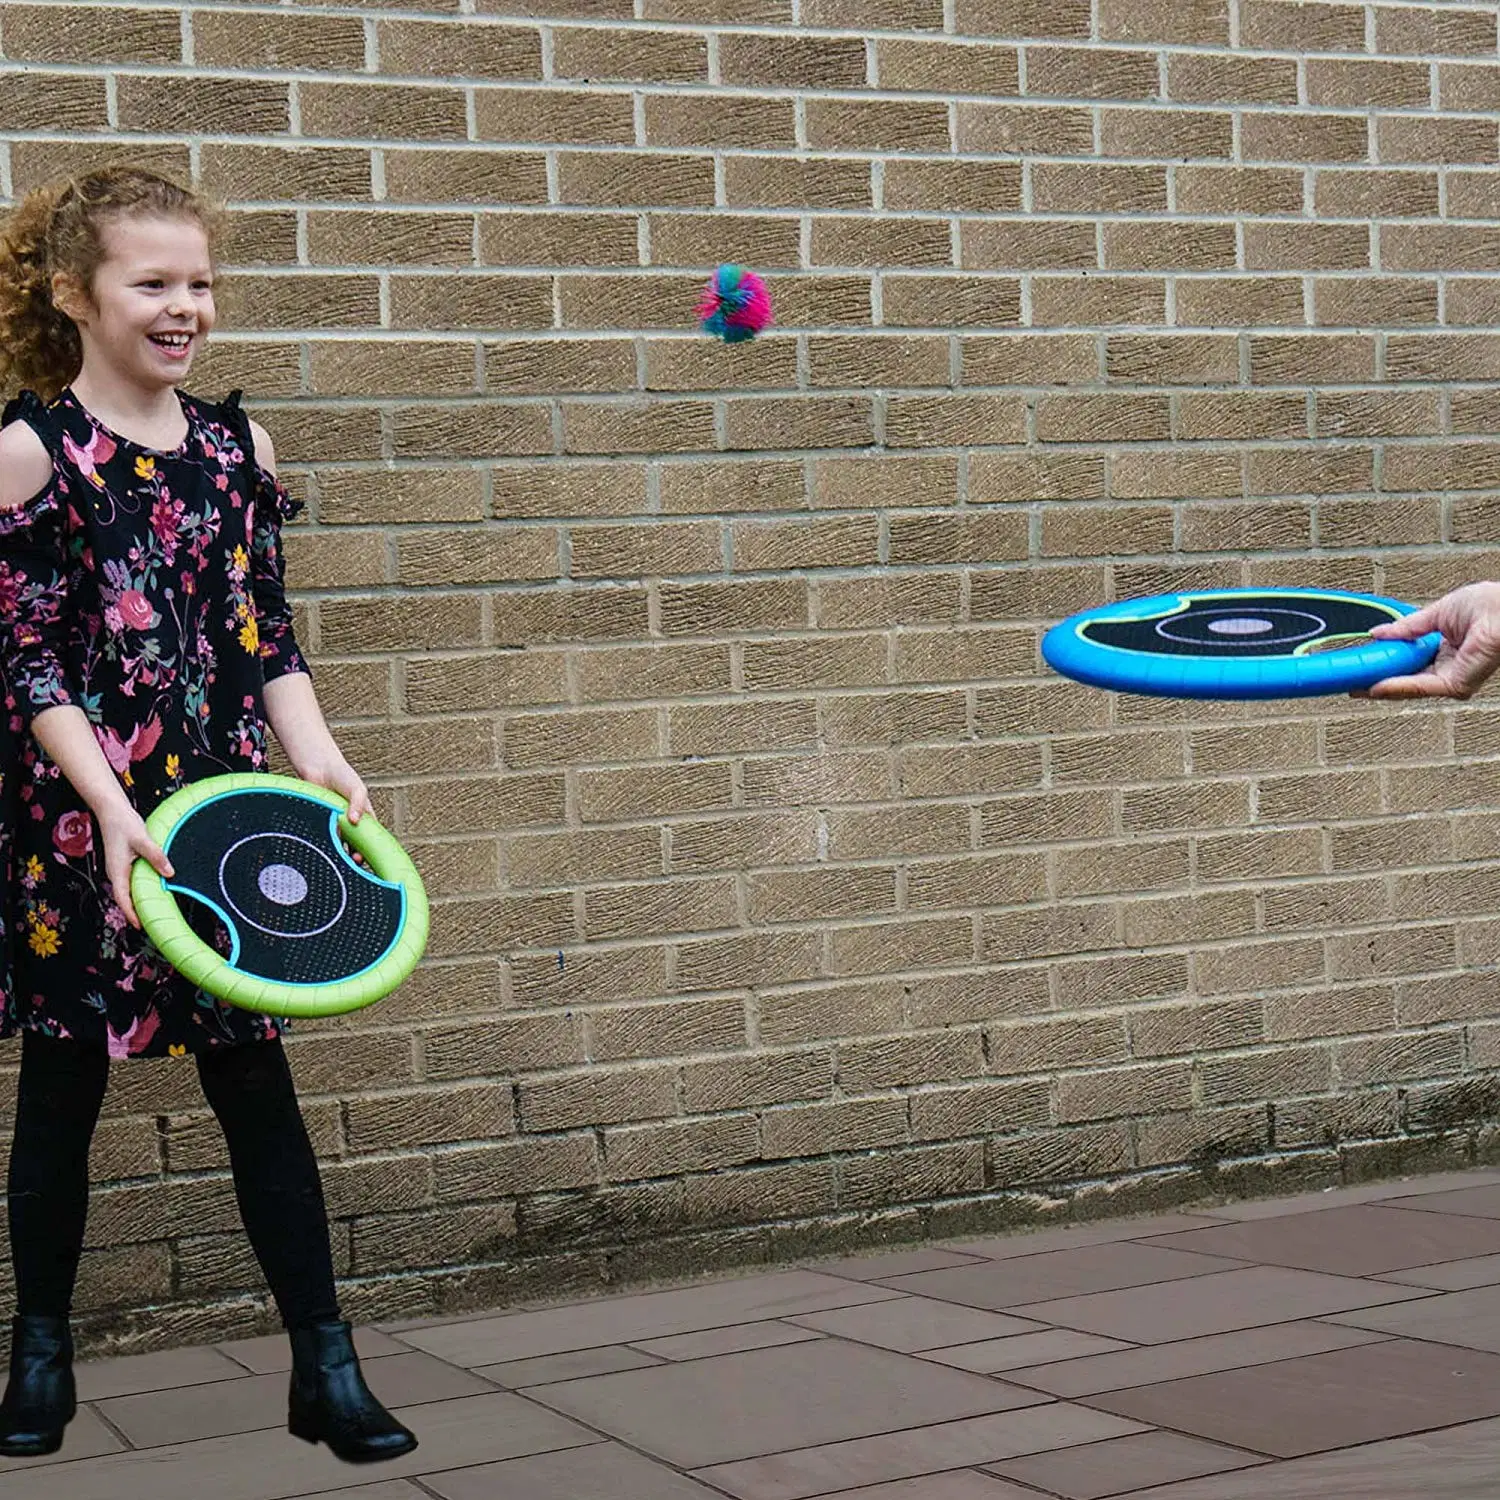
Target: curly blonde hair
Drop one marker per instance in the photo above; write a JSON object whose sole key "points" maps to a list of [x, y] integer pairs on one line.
{"points": [[58, 229]]}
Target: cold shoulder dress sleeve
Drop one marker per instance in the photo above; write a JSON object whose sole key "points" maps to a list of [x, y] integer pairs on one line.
{"points": [[146, 587]]}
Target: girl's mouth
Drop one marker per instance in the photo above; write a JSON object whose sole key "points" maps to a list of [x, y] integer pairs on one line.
{"points": [[174, 344]]}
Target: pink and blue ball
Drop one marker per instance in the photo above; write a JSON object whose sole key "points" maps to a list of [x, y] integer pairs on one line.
{"points": [[735, 305]]}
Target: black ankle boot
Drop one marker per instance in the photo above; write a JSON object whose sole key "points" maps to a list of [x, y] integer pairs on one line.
{"points": [[330, 1402], [40, 1399]]}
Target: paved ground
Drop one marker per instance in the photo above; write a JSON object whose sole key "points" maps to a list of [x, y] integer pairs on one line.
{"points": [[1341, 1345]]}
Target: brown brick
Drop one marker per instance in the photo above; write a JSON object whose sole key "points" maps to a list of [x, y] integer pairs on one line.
{"points": [[375, 238], [940, 301], [471, 301], [636, 180], [1002, 245], [830, 777], [1186, 22], [1239, 190], [354, 497], [1069, 301], [574, 739], [1292, 25], [488, 680], [558, 239], [52, 101], [1091, 73], [1424, 31], [1384, 194], [1307, 247], [947, 67], [955, 186], [711, 239], [888, 718], [1401, 140], [885, 125], [713, 12], [461, 49], [544, 366], [725, 122], [1359, 301], [563, 859], [1284, 1073], [738, 485], [881, 243], [595, 302], [1306, 138], [654, 791], [1025, 129], [493, 554], [638, 427], [799, 422], [555, 117], [1024, 18], [1214, 303], [1226, 78], [383, 111], [1163, 247], [958, 538], [246, 39], [656, 548], [1174, 135], [78, 34], [1368, 84], [790, 61], [491, 430], [662, 907], [792, 182], [907, 14], [666, 670], [179, 103], [477, 176], [878, 360]]}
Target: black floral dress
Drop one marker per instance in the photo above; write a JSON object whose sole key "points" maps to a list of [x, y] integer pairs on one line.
{"points": [[146, 588]]}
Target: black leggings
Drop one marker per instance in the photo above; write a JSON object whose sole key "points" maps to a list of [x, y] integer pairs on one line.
{"points": [[276, 1181]]}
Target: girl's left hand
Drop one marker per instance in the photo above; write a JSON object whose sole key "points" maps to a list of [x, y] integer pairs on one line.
{"points": [[339, 776]]}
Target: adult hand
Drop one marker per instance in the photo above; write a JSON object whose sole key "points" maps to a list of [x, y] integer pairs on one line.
{"points": [[1469, 619], [126, 840]]}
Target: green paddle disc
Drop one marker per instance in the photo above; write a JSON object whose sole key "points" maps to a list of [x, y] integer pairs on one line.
{"points": [[310, 932]]}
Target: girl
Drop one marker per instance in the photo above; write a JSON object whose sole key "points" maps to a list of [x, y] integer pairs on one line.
{"points": [[146, 643]]}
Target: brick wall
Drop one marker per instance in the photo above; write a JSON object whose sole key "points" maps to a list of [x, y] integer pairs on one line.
{"points": [[781, 900]]}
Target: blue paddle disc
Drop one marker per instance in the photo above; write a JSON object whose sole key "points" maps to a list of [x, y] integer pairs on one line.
{"points": [[1237, 643]]}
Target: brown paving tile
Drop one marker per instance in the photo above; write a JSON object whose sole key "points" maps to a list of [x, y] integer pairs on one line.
{"points": [[553, 1367], [86, 1437], [893, 1263], [728, 1340], [255, 1402], [1455, 1463], [1364, 1192], [1125, 1465], [768, 1400], [266, 1356], [605, 1471], [1215, 1304], [386, 1489], [962, 1484], [1023, 1349], [1333, 1400], [101, 1378], [1203, 1356], [1452, 1276], [914, 1323], [254, 1466], [618, 1320], [1469, 1319], [838, 1467], [1077, 1236], [1360, 1240], [1479, 1202], [1060, 1273]]}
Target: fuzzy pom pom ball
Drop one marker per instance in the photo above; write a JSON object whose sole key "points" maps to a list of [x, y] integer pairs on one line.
{"points": [[735, 305]]}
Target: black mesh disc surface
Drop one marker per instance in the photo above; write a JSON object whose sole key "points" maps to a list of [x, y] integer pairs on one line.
{"points": [[271, 867], [1250, 625]]}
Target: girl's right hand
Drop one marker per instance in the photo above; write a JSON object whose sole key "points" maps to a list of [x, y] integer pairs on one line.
{"points": [[125, 841]]}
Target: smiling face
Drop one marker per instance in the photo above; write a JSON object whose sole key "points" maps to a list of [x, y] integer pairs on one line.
{"points": [[151, 303]]}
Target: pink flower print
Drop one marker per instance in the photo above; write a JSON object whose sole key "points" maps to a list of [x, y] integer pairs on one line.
{"points": [[119, 753], [135, 610], [166, 516], [98, 450], [113, 619], [136, 1038], [74, 834]]}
